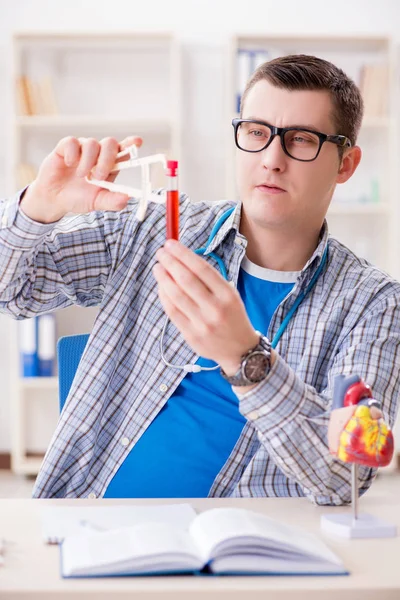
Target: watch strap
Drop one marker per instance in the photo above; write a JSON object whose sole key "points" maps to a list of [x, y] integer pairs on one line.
{"points": [[239, 378]]}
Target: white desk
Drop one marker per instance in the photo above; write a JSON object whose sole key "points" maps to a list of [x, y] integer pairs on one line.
{"points": [[31, 568]]}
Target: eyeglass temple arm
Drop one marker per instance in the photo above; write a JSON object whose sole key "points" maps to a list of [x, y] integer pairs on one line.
{"points": [[340, 140]]}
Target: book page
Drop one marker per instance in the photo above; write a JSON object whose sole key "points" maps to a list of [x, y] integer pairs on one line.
{"points": [[217, 530], [141, 548], [61, 521], [253, 564]]}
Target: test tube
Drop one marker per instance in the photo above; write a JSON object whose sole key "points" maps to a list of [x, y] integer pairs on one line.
{"points": [[172, 201]]}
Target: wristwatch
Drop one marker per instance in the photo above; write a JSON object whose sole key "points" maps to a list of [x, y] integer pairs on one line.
{"points": [[255, 364]]}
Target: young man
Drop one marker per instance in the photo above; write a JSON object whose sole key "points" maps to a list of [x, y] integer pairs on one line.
{"points": [[257, 424]]}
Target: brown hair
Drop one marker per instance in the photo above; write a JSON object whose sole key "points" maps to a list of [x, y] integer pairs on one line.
{"points": [[303, 72]]}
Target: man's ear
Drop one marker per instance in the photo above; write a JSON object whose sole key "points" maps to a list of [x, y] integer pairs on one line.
{"points": [[349, 163]]}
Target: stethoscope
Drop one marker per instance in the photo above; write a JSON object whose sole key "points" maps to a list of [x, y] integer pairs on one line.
{"points": [[190, 368]]}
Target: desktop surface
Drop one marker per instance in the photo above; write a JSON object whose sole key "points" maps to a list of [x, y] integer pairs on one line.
{"points": [[31, 568]]}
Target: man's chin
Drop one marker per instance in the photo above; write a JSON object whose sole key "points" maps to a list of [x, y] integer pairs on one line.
{"points": [[267, 215]]}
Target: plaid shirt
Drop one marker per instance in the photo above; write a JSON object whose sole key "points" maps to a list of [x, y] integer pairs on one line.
{"points": [[348, 324]]}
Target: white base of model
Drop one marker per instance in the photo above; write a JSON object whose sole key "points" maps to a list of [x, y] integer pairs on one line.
{"points": [[364, 526]]}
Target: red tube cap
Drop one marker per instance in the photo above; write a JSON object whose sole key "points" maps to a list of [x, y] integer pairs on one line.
{"points": [[172, 168]]}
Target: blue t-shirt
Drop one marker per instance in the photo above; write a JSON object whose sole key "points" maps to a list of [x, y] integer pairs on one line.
{"points": [[187, 444]]}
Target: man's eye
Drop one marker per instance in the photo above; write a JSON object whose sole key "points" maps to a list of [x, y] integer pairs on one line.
{"points": [[303, 139], [256, 133], [299, 138]]}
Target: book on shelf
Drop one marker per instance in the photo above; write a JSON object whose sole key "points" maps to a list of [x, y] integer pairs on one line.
{"points": [[247, 61], [46, 345], [27, 341], [37, 346], [25, 174], [22, 99], [225, 541], [374, 87], [35, 97]]}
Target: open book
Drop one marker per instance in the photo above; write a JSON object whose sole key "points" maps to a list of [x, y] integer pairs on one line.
{"points": [[221, 541]]}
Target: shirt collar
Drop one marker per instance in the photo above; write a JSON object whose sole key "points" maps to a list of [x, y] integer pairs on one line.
{"points": [[313, 263], [233, 223]]}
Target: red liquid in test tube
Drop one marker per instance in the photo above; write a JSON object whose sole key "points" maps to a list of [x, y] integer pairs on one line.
{"points": [[172, 201]]}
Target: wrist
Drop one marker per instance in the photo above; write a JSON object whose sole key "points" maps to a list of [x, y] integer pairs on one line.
{"points": [[230, 368], [37, 206], [254, 366], [231, 365]]}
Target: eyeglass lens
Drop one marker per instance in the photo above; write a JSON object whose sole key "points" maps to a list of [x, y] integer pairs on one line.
{"points": [[302, 145]]}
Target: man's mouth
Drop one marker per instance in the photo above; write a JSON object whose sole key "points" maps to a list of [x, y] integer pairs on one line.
{"points": [[270, 188]]}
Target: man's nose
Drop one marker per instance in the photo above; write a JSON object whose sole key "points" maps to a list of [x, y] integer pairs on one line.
{"points": [[273, 157]]}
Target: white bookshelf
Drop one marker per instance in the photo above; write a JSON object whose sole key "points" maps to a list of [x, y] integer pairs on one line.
{"points": [[58, 123], [362, 217], [103, 85], [367, 225]]}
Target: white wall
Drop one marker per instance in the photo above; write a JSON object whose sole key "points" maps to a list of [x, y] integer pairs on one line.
{"points": [[204, 27]]}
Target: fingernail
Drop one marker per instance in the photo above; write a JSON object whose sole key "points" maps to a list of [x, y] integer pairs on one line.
{"points": [[170, 243]]}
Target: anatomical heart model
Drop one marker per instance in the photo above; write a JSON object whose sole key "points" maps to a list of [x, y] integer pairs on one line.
{"points": [[358, 434]]}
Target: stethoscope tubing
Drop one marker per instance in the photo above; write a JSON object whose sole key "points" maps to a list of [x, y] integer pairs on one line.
{"points": [[193, 368]]}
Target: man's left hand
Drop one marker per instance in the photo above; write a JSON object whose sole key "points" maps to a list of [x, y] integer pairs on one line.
{"points": [[205, 308]]}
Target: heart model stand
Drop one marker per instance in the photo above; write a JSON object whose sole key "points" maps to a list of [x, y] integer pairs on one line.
{"points": [[357, 434]]}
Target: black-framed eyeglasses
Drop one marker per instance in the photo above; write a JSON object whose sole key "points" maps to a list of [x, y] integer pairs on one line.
{"points": [[297, 142]]}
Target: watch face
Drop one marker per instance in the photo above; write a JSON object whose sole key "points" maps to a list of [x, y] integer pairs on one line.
{"points": [[256, 367]]}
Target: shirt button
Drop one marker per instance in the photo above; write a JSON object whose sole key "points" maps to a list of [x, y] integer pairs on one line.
{"points": [[125, 441], [253, 415], [92, 496], [163, 387], [4, 220]]}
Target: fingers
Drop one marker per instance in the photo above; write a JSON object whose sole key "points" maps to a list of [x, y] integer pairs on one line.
{"points": [[109, 149], [132, 140], [176, 317], [88, 154], [179, 255], [90, 150], [171, 292], [106, 200], [174, 272], [69, 149], [376, 413]]}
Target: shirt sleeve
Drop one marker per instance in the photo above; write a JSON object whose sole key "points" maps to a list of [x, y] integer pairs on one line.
{"points": [[44, 267], [291, 418]]}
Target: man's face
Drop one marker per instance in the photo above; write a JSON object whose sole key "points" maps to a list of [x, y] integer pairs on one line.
{"points": [[306, 188]]}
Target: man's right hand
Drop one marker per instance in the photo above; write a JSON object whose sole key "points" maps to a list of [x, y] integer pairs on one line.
{"points": [[60, 186]]}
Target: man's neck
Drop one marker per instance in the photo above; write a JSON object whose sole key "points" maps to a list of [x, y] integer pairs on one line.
{"points": [[279, 249]]}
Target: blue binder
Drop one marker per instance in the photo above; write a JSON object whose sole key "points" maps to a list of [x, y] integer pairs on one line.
{"points": [[28, 347]]}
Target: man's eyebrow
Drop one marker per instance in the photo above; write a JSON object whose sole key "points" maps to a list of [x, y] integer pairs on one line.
{"points": [[302, 125]]}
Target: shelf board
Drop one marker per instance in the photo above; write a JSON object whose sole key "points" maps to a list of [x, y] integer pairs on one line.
{"points": [[341, 208], [344, 43], [28, 465], [66, 40], [38, 383], [67, 121]]}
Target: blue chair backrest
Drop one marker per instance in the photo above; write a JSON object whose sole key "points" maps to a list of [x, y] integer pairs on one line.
{"points": [[69, 352]]}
